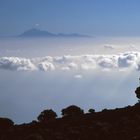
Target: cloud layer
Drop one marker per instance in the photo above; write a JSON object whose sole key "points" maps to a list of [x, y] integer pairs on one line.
{"points": [[128, 60]]}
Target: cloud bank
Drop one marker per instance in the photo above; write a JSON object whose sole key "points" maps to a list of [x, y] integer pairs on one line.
{"points": [[127, 60]]}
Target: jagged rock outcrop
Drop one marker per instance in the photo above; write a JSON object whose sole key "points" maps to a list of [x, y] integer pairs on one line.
{"points": [[123, 123]]}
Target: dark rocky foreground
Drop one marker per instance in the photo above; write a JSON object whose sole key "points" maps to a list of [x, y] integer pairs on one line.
{"points": [[117, 124]]}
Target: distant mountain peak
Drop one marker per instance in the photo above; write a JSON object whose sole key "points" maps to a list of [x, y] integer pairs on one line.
{"points": [[33, 32], [36, 33]]}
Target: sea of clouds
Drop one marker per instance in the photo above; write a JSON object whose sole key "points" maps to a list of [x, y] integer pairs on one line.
{"points": [[38, 74], [31, 84], [121, 61]]}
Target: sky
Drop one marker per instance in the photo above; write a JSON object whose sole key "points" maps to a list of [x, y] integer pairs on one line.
{"points": [[93, 17]]}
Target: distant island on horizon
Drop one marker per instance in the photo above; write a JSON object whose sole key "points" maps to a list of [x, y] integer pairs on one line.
{"points": [[34, 32]]}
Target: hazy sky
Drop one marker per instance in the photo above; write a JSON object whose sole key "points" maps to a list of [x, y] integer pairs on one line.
{"points": [[96, 17]]}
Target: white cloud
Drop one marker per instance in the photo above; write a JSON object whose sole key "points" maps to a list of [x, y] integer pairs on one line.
{"points": [[45, 66], [70, 66], [68, 62], [36, 25], [127, 60], [73, 66], [15, 63], [87, 66], [107, 46], [78, 76], [107, 62], [132, 46]]}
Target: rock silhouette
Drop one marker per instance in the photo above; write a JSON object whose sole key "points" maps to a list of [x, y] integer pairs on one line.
{"points": [[137, 91], [91, 110], [72, 111], [47, 115], [122, 124], [6, 123]]}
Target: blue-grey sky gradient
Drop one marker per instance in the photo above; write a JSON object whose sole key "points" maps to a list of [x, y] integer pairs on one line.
{"points": [[95, 17]]}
